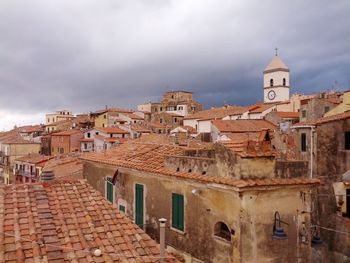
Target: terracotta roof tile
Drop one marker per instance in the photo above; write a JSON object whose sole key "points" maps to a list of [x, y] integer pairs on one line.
{"points": [[65, 222], [242, 125], [16, 139], [140, 128], [65, 167], [288, 114], [31, 128], [258, 108], [112, 130], [133, 116], [67, 133], [150, 157], [34, 158], [217, 113]]}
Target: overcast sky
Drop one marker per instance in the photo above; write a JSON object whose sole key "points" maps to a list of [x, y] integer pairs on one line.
{"points": [[83, 54]]}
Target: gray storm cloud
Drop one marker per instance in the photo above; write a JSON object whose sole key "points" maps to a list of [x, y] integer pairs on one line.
{"points": [[84, 54]]}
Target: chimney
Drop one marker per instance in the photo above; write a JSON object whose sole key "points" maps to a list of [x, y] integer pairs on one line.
{"points": [[162, 222], [47, 176]]}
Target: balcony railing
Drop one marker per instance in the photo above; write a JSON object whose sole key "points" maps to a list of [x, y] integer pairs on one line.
{"points": [[25, 173]]}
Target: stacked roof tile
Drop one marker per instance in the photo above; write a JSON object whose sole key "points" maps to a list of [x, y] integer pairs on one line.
{"points": [[67, 222]]}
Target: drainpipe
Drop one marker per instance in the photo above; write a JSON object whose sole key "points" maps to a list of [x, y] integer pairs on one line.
{"points": [[311, 151], [312, 129], [162, 222]]}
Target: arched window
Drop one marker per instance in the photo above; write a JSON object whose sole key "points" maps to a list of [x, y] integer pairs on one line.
{"points": [[221, 230], [271, 82], [284, 82]]}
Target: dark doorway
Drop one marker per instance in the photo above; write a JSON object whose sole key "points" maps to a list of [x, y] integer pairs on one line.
{"points": [[348, 202]]}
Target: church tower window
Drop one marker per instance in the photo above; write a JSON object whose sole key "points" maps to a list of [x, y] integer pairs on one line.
{"points": [[271, 82], [284, 81]]}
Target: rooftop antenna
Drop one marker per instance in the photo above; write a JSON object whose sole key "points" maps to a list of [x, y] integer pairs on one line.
{"points": [[276, 51]]}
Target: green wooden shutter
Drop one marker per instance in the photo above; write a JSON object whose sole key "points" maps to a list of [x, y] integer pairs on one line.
{"points": [[178, 211], [139, 205], [109, 188]]}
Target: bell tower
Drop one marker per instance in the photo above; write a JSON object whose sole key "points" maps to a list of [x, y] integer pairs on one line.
{"points": [[276, 81]]}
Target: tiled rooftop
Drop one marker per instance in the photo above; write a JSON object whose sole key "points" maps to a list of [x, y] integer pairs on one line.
{"points": [[150, 157], [250, 148], [31, 128], [133, 116], [17, 139], [34, 158], [218, 113], [259, 108], [140, 128], [65, 167], [66, 222], [67, 133], [98, 112], [242, 125], [288, 114], [112, 130]]}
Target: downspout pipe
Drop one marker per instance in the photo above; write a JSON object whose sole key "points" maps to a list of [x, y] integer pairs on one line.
{"points": [[312, 130]]}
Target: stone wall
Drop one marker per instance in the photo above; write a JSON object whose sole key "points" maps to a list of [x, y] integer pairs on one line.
{"points": [[291, 169]]}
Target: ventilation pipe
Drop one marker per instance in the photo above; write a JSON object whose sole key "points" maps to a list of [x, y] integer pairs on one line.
{"points": [[47, 176], [162, 222]]}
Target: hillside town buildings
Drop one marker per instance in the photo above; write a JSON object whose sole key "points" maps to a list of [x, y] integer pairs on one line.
{"points": [[267, 182]]}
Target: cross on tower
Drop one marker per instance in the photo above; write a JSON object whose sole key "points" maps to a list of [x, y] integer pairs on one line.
{"points": [[276, 51]]}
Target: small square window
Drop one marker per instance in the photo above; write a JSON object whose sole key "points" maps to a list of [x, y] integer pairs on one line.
{"points": [[347, 140], [303, 142], [122, 209], [303, 113]]}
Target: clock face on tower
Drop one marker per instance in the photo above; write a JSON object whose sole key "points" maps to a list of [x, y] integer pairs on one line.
{"points": [[271, 95]]}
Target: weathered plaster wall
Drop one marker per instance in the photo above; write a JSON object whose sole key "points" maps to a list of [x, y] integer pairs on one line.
{"points": [[331, 160], [230, 164], [257, 225], [192, 164], [290, 169], [249, 215], [202, 211]]}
